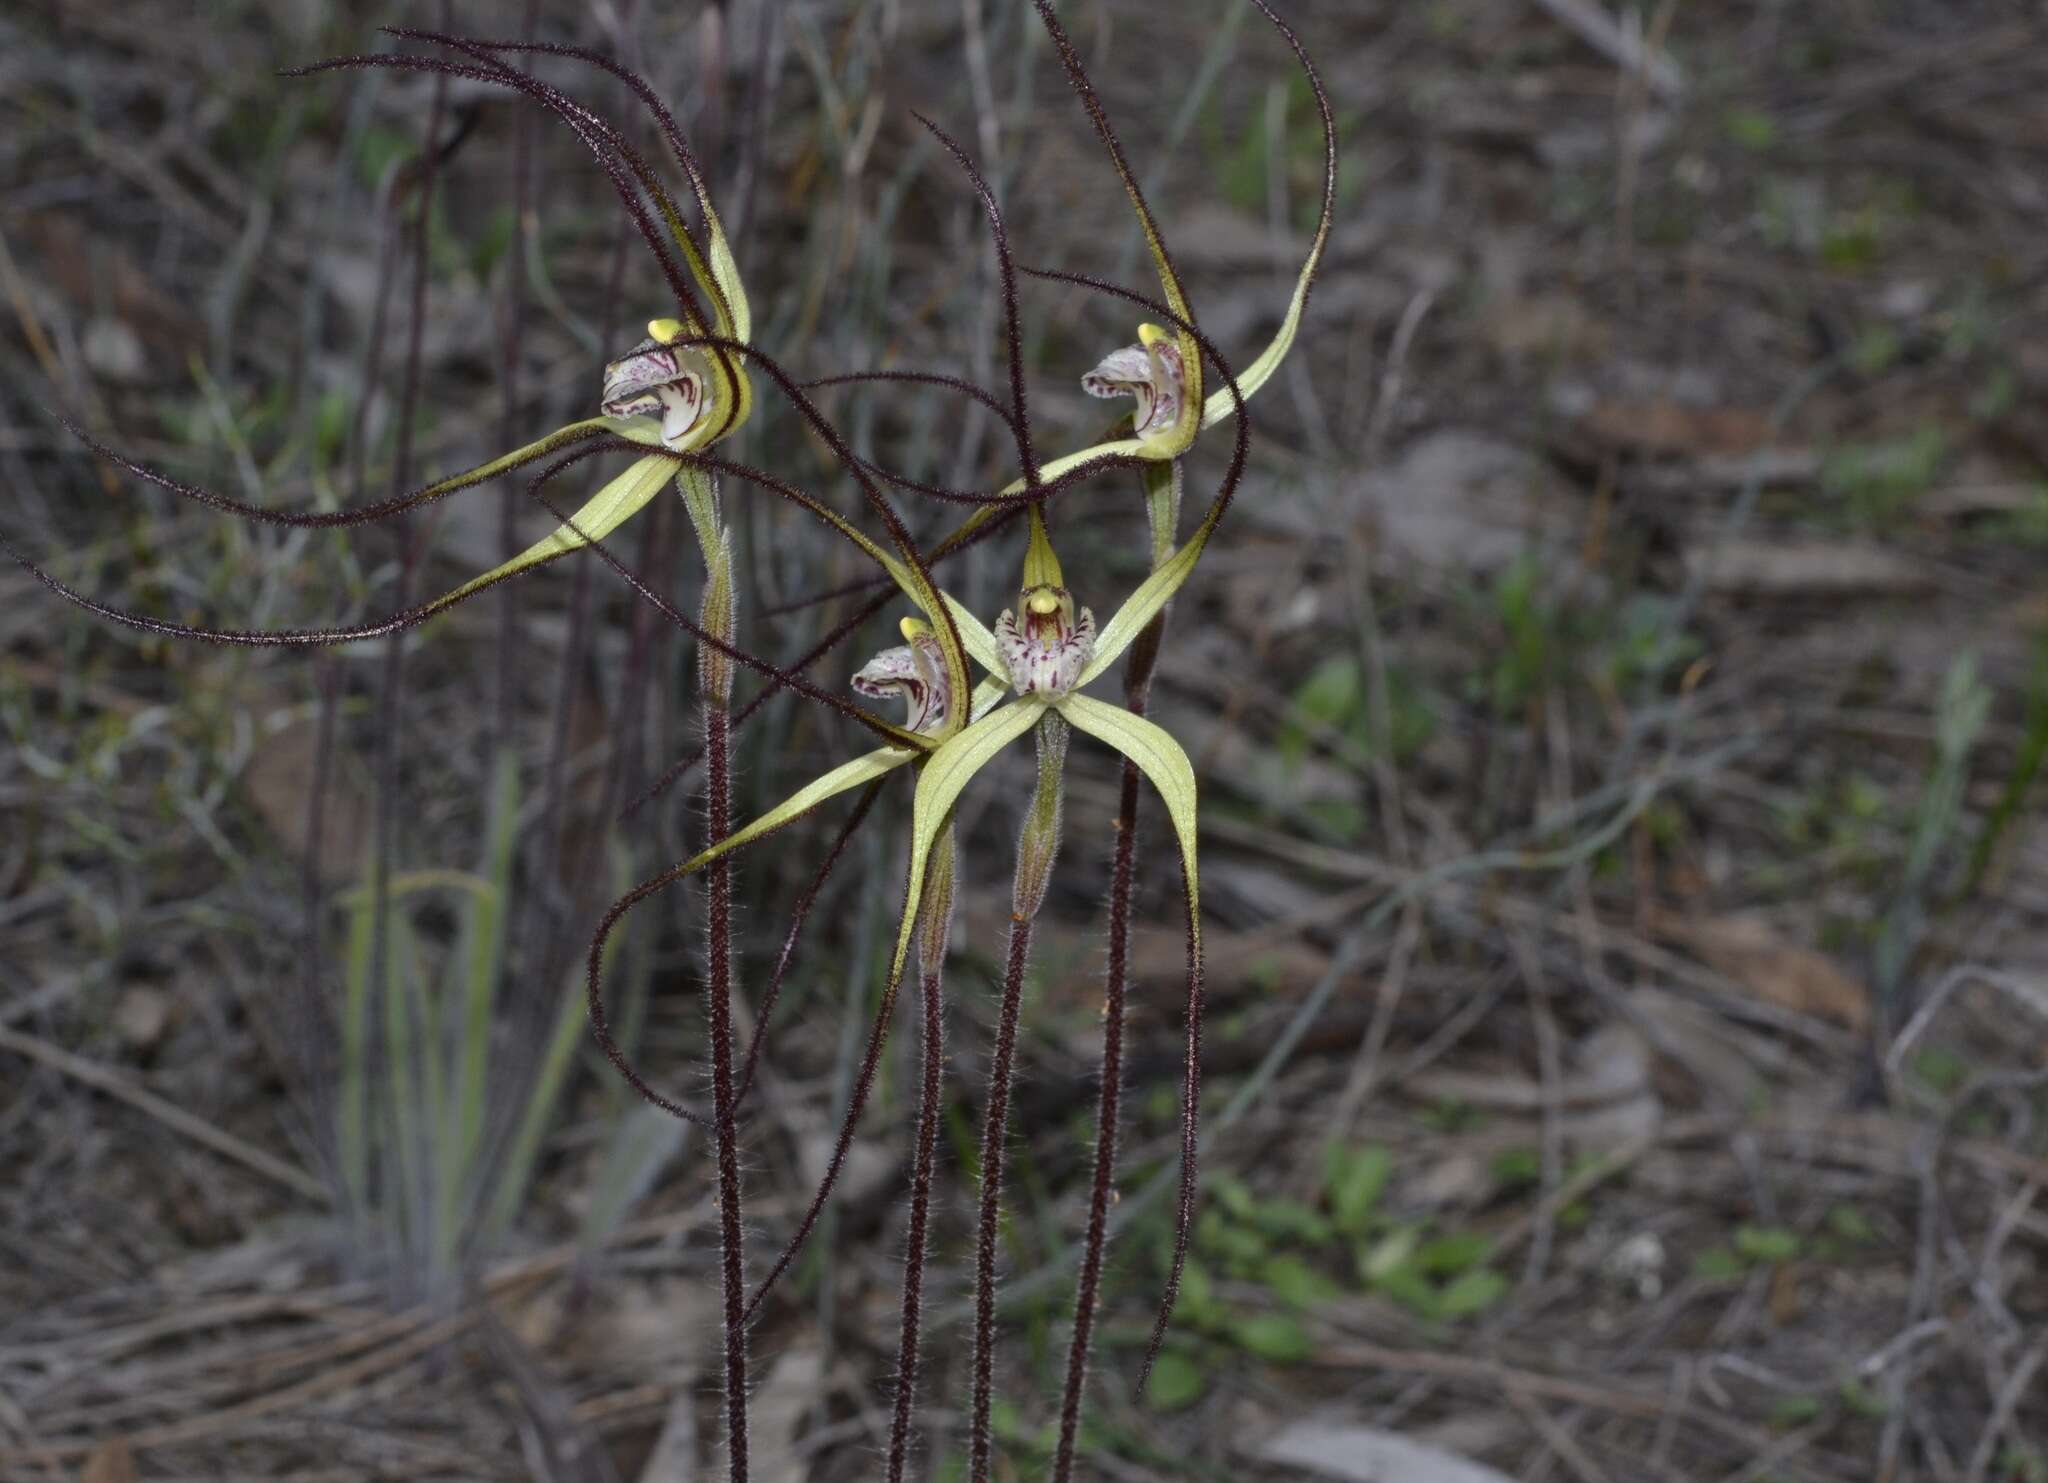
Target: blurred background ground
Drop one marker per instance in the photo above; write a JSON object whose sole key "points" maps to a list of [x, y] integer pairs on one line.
{"points": [[1619, 700]]}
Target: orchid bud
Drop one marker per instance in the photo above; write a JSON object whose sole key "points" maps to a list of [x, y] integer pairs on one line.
{"points": [[917, 672], [658, 378], [1038, 842], [935, 912], [718, 614], [1152, 374]]}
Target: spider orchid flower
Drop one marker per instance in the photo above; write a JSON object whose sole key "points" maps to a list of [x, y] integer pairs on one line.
{"points": [[1045, 660], [1152, 373], [916, 672], [1163, 371], [681, 389], [666, 394]]}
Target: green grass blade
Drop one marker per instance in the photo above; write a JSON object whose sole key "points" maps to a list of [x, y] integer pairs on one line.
{"points": [[484, 933], [514, 1173], [352, 1133]]}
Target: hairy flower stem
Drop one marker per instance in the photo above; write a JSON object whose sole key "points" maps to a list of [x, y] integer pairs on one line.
{"points": [[1163, 504], [715, 672], [934, 924], [718, 994], [1037, 848], [994, 1130]]}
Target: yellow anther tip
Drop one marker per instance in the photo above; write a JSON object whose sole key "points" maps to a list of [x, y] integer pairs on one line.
{"points": [[913, 629], [664, 330], [1152, 334], [1043, 603]]}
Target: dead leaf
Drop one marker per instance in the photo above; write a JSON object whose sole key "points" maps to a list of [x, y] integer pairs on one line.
{"points": [[674, 1458], [1781, 566], [1549, 325], [1365, 1454], [1604, 1100], [277, 780], [795, 1385], [90, 269], [1463, 501], [140, 1015], [1749, 950], [1787, 1302], [110, 1462], [1713, 1050], [1670, 427]]}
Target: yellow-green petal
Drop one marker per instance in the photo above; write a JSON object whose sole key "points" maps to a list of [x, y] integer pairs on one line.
{"points": [[600, 515], [1152, 594], [1221, 404], [1065, 463], [603, 513], [561, 437], [863, 769], [946, 772], [1163, 761], [725, 271]]}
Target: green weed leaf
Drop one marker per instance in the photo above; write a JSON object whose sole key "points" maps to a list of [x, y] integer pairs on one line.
{"points": [[1474, 1292], [1177, 1383], [1277, 1337], [1354, 1179]]}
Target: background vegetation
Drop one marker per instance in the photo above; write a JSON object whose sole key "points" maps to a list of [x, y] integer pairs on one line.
{"points": [[1620, 701]]}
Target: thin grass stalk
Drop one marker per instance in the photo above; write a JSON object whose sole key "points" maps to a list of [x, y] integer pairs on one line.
{"points": [[352, 1131], [312, 1025], [508, 427], [406, 1130], [486, 926], [936, 916], [384, 825], [512, 1172], [549, 946]]}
